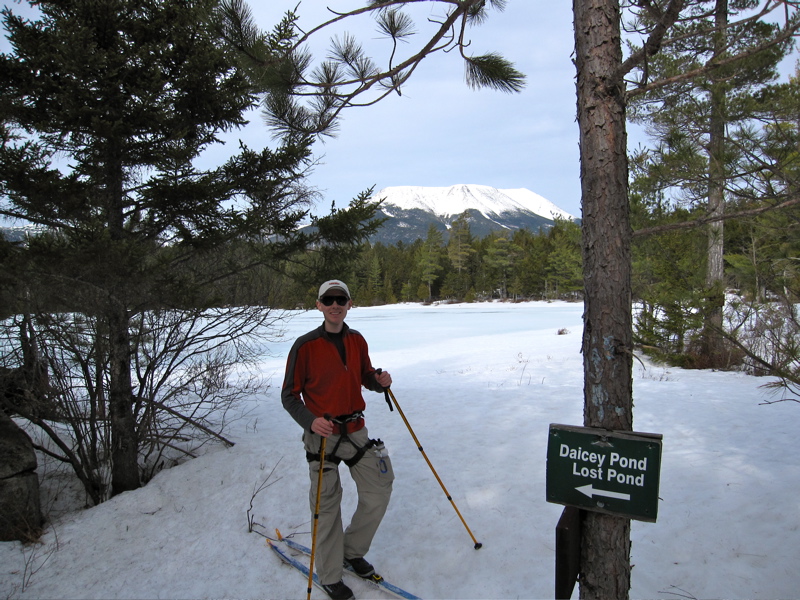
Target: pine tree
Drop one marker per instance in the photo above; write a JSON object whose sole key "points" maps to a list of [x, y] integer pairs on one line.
{"points": [[500, 256], [563, 266], [106, 107], [692, 121], [460, 253], [429, 259], [529, 268]]}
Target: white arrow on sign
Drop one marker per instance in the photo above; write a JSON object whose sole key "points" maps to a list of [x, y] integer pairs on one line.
{"points": [[588, 490]]}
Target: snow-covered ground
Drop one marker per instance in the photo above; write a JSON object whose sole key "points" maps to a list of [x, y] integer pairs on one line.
{"points": [[480, 385]]}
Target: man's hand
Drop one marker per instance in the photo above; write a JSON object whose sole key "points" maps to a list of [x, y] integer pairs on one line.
{"points": [[322, 426], [384, 379]]}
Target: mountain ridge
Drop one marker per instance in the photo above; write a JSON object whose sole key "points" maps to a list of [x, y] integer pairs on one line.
{"points": [[410, 210]]}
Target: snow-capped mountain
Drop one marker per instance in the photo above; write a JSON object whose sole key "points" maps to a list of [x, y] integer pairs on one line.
{"points": [[411, 210], [20, 233]]}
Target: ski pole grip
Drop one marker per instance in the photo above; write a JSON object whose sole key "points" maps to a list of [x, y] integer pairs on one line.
{"points": [[385, 392]]}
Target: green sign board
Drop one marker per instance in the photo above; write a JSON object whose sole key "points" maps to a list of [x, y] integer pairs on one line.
{"points": [[615, 472]]}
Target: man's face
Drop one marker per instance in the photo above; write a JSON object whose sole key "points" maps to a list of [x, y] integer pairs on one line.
{"points": [[334, 307]]}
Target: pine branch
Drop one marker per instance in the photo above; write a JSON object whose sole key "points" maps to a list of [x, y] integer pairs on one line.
{"points": [[350, 79], [790, 30], [705, 220], [493, 71]]}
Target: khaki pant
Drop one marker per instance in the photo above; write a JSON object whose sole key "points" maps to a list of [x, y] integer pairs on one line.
{"points": [[373, 476]]}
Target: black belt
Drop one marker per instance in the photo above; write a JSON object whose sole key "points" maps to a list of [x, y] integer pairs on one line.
{"points": [[342, 421]]}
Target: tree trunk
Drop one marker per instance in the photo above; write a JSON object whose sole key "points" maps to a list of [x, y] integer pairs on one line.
{"points": [[124, 444], [608, 328], [124, 448], [713, 342]]}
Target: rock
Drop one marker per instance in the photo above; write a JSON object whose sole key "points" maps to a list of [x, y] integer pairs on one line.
{"points": [[20, 512], [16, 449]]}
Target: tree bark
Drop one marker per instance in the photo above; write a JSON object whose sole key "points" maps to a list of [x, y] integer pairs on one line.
{"points": [[606, 247]]}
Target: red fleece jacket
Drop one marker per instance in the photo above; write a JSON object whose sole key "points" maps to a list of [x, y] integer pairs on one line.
{"points": [[317, 382]]}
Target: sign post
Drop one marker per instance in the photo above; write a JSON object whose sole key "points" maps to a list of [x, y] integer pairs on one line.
{"points": [[613, 472], [568, 551]]}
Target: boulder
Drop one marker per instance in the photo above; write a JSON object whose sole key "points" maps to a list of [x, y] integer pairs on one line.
{"points": [[20, 512]]}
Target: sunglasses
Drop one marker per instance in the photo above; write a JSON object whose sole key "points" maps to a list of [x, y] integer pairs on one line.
{"points": [[340, 300]]}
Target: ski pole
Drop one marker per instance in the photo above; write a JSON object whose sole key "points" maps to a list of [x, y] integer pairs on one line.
{"points": [[316, 517], [388, 392]]}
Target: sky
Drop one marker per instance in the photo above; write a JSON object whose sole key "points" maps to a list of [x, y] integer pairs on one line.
{"points": [[440, 132], [480, 385]]}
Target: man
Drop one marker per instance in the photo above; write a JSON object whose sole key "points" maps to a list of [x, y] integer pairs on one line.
{"points": [[325, 371]]}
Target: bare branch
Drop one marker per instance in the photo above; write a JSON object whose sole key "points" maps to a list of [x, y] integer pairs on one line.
{"points": [[257, 490], [665, 20]]}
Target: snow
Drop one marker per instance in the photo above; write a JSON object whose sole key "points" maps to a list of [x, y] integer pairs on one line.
{"points": [[480, 385], [454, 200]]}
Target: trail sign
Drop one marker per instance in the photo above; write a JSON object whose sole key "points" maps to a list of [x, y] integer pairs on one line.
{"points": [[615, 472]]}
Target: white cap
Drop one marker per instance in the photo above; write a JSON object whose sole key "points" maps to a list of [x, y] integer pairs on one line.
{"points": [[332, 286]]}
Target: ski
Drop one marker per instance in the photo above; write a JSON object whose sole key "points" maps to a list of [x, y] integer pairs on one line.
{"points": [[289, 560], [376, 579]]}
